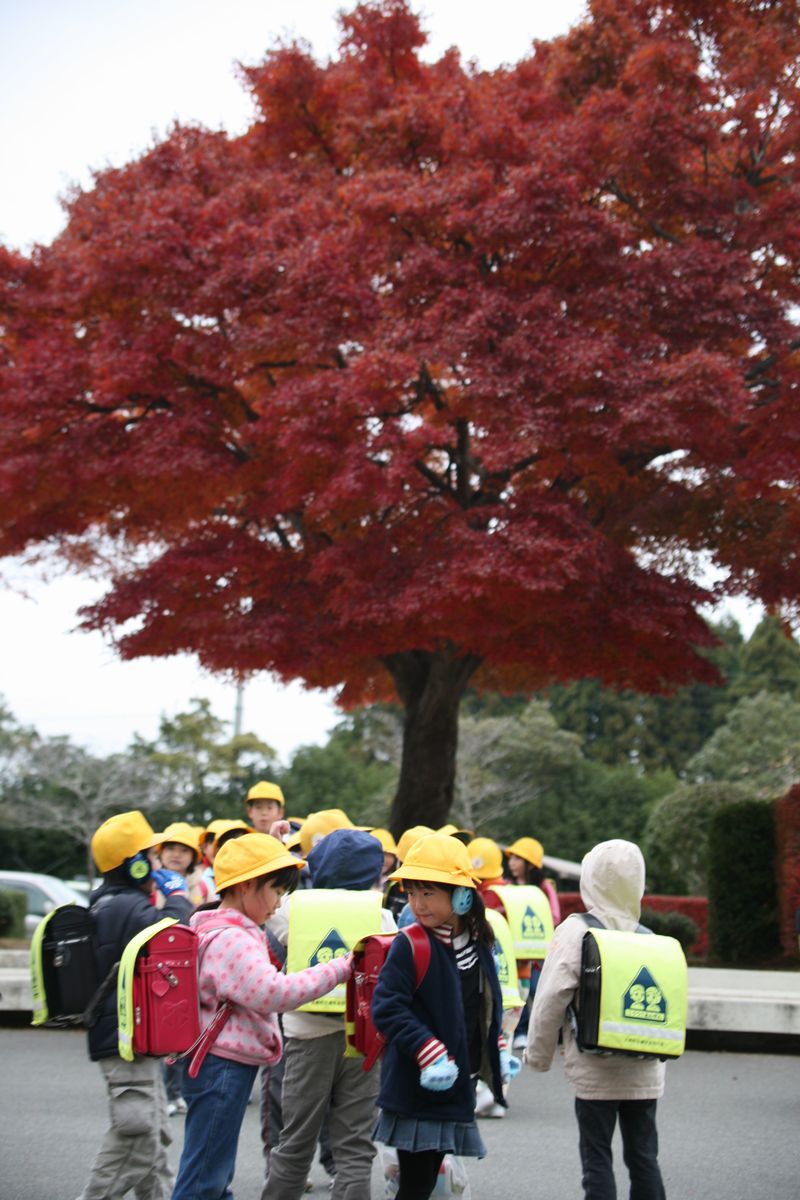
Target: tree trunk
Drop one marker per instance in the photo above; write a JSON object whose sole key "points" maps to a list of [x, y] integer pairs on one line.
{"points": [[430, 686]]}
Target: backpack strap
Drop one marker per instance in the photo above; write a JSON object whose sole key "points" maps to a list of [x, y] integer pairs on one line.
{"points": [[200, 1048], [421, 950]]}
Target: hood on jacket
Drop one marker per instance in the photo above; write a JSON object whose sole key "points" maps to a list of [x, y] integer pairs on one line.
{"points": [[612, 880], [346, 858]]}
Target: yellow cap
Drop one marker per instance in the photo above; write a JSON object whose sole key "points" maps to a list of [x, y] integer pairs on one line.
{"points": [[318, 825], [121, 837], [264, 790], [529, 849], [486, 858], [222, 827], [248, 857], [407, 839], [463, 835], [439, 858], [185, 834], [386, 840]]}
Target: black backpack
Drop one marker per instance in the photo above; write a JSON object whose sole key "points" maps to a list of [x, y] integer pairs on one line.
{"points": [[63, 967]]}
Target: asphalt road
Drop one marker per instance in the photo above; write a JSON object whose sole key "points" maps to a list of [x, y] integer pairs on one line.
{"points": [[729, 1127]]}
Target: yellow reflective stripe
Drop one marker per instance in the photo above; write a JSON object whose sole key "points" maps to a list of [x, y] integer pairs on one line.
{"points": [[40, 1011]]}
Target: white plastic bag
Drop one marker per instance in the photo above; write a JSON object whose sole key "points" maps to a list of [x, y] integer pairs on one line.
{"points": [[452, 1181]]}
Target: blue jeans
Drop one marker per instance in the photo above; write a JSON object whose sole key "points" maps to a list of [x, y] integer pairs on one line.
{"points": [[637, 1124], [217, 1101]]}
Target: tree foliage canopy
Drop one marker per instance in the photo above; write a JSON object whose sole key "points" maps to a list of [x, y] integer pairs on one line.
{"points": [[434, 373]]}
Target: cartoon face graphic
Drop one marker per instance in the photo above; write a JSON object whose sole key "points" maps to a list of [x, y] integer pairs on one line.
{"points": [[637, 994]]}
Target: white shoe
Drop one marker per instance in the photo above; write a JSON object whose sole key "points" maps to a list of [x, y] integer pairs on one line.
{"points": [[520, 1042], [494, 1110], [483, 1099]]}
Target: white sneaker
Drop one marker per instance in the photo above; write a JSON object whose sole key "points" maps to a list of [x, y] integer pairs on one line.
{"points": [[483, 1099], [494, 1110]]}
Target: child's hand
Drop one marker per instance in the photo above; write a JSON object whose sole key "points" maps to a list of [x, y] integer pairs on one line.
{"points": [[440, 1075], [280, 830], [170, 883], [510, 1066]]}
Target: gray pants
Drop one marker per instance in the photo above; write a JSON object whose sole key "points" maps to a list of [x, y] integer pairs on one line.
{"points": [[319, 1079], [133, 1154]]}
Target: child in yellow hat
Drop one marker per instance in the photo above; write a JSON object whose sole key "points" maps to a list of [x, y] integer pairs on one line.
{"points": [[441, 1035], [252, 874]]}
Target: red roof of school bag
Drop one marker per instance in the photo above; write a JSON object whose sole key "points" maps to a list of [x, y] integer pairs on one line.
{"points": [[369, 955]]}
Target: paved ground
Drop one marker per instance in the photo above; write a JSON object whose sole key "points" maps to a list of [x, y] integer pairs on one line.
{"points": [[728, 1123]]}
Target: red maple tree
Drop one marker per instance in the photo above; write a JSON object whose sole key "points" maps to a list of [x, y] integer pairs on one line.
{"points": [[435, 376]]}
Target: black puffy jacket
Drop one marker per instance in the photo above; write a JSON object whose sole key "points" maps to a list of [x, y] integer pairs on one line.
{"points": [[119, 913]]}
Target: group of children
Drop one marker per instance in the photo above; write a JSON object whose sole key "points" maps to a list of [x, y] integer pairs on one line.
{"points": [[261, 896]]}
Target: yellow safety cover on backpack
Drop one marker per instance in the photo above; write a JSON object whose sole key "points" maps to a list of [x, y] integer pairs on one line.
{"points": [[643, 993], [326, 924], [505, 960], [529, 917], [126, 1015], [39, 1006]]}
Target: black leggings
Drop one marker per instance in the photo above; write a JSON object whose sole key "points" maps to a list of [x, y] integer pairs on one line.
{"points": [[418, 1173]]}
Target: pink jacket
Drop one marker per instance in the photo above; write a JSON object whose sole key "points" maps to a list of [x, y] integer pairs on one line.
{"points": [[235, 966]]}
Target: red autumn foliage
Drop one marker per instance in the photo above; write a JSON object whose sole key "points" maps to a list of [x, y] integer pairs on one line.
{"points": [[787, 867], [434, 375]]}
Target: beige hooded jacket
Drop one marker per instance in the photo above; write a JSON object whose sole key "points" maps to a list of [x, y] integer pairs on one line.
{"points": [[612, 886]]}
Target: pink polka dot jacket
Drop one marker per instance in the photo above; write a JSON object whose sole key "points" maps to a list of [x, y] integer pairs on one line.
{"points": [[235, 966]]}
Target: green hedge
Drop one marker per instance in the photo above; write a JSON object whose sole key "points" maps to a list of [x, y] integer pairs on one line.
{"points": [[672, 924], [742, 898], [13, 907]]}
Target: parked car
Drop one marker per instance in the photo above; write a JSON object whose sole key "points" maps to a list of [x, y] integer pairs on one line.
{"points": [[43, 893]]}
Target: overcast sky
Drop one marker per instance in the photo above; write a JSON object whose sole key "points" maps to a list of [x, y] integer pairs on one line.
{"points": [[88, 83]]}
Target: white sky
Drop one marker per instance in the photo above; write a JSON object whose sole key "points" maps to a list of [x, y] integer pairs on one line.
{"points": [[87, 83]]}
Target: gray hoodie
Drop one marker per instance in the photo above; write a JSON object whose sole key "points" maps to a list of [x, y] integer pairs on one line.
{"points": [[612, 886]]}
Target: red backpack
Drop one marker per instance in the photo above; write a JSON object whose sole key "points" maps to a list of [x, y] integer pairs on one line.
{"points": [[369, 955], [158, 1002]]}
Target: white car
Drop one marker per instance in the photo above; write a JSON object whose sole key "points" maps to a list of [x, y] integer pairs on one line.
{"points": [[43, 893]]}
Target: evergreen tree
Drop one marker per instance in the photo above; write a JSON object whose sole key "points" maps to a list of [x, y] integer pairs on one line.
{"points": [[770, 662]]}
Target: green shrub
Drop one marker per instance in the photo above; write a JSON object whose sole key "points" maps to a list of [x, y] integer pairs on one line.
{"points": [[13, 907], [672, 924], [742, 899]]}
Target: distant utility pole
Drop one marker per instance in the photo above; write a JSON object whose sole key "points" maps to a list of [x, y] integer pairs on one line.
{"points": [[237, 716]]}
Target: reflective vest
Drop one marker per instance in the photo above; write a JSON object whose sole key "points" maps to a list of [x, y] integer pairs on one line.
{"points": [[505, 960], [633, 996], [326, 924], [529, 917]]}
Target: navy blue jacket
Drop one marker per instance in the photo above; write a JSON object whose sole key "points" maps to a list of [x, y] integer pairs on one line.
{"points": [[407, 1018], [119, 913]]}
